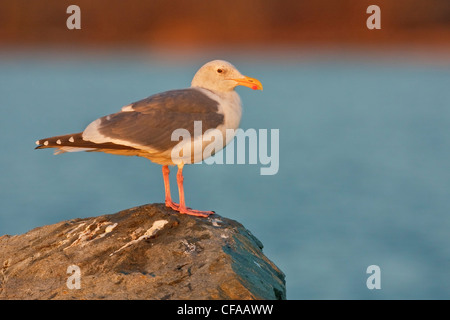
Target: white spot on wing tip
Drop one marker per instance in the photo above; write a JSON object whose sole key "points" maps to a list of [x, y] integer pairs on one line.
{"points": [[58, 141], [46, 143], [71, 139], [37, 142]]}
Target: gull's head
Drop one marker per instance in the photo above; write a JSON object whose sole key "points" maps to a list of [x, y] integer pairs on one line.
{"points": [[219, 75]]}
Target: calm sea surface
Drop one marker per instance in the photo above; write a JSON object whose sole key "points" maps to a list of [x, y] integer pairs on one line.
{"points": [[364, 173]]}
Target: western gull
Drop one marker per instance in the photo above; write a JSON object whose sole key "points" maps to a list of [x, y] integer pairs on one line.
{"points": [[145, 128]]}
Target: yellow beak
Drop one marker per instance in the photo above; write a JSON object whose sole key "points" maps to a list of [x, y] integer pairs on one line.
{"points": [[253, 83]]}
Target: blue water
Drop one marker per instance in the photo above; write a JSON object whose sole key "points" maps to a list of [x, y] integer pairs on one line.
{"points": [[364, 175]]}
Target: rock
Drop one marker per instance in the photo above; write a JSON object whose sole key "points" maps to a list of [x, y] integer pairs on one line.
{"points": [[147, 252]]}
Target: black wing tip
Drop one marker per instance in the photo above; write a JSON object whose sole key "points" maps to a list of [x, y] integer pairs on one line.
{"points": [[57, 141]]}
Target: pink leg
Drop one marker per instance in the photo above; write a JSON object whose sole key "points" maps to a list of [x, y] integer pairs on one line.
{"points": [[182, 206], [169, 202]]}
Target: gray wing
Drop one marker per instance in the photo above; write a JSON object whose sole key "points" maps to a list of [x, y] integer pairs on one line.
{"points": [[151, 121]]}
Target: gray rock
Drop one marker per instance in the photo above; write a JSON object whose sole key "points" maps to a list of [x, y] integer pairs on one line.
{"points": [[147, 252]]}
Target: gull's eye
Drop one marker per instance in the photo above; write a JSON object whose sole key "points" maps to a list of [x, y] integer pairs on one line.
{"points": [[219, 70]]}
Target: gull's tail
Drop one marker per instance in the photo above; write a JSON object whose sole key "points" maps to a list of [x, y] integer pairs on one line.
{"points": [[74, 143]]}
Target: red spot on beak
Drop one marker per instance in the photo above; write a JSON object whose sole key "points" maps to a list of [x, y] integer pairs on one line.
{"points": [[255, 87]]}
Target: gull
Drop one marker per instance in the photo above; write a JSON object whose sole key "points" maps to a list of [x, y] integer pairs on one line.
{"points": [[145, 128]]}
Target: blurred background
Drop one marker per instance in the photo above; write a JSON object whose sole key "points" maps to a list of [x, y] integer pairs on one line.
{"points": [[363, 115]]}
